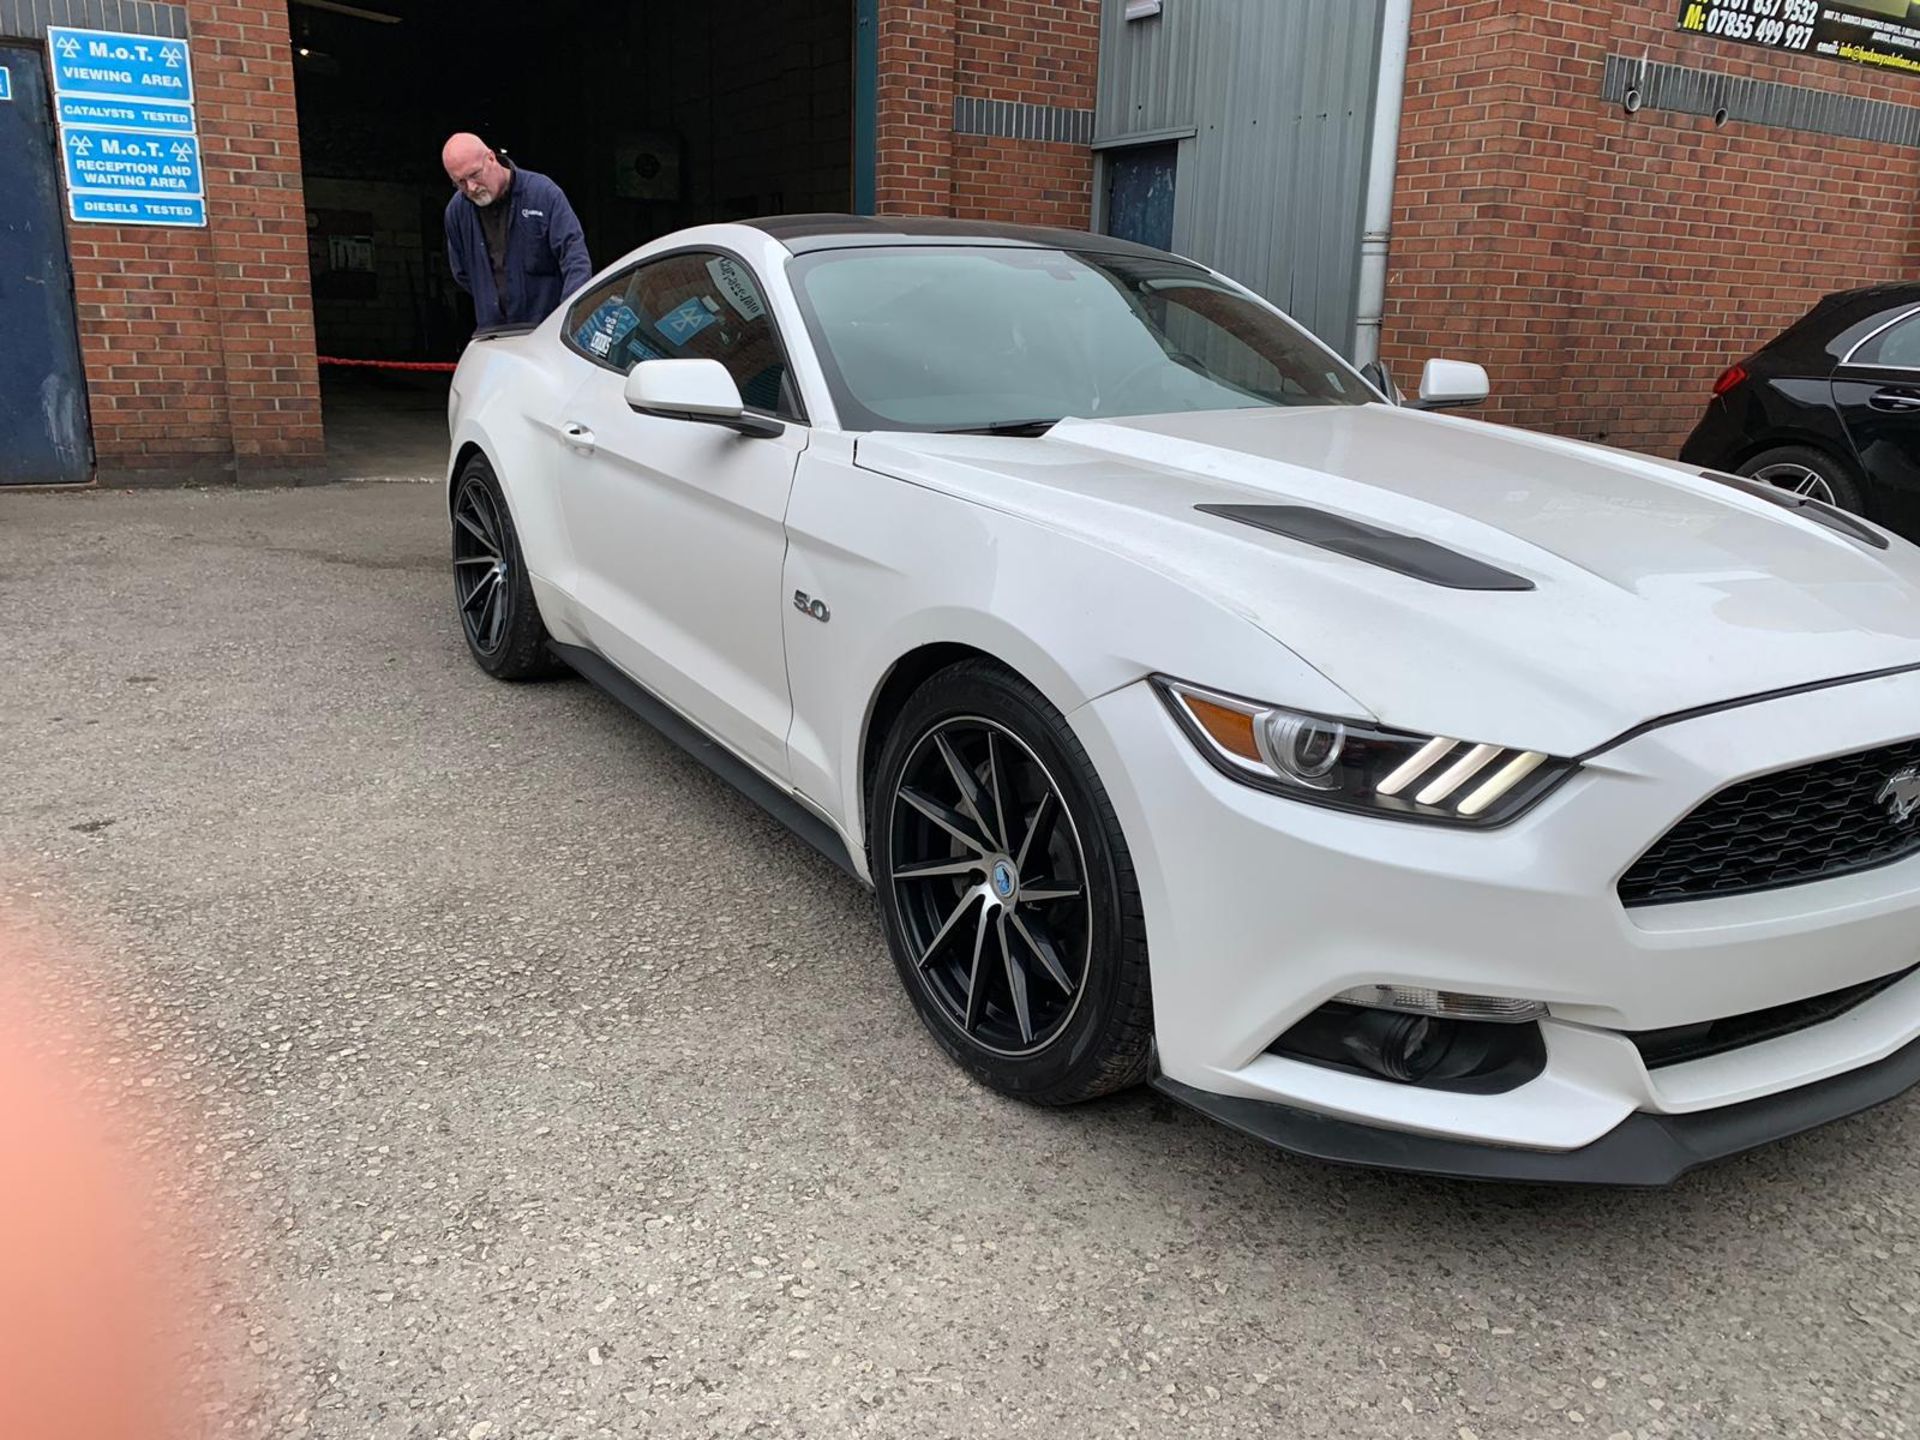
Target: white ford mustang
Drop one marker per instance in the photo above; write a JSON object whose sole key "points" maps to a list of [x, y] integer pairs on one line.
{"points": [[1398, 788]]}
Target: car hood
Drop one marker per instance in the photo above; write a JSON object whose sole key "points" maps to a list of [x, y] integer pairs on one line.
{"points": [[1654, 591]]}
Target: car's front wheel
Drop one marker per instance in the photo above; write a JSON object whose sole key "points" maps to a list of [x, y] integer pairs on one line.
{"points": [[1802, 471], [1007, 891], [490, 582]]}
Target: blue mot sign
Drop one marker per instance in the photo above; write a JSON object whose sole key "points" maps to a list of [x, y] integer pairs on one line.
{"points": [[122, 162], [129, 132], [130, 67]]}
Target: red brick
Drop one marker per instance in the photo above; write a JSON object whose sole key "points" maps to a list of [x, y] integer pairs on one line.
{"points": [[1633, 256], [172, 320], [932, 51]]}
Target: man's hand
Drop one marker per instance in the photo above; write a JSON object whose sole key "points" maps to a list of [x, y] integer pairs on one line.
{"points": [[569, 244]]}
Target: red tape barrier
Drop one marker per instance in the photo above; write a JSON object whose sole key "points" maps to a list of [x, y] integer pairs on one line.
{"points": [[439, 366]]}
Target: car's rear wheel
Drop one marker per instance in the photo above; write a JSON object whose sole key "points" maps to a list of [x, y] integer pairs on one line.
{"points": [[498, 615], [1802, 471], [1007, 892]]}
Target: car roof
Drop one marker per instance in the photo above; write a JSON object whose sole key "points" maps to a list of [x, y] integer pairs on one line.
{"points": [[1838, 322], [1843, 309], [803, 234], [1890, 292]]}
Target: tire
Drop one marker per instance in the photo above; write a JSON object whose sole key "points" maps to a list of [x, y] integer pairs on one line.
{"points": [[497, 611], [1036, 983], [1804, 471]]}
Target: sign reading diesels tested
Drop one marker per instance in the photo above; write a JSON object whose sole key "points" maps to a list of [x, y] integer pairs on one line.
{"points": [[1881, 33], [128, 130]]}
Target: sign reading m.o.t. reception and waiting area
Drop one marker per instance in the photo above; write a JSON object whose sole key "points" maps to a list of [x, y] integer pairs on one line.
{"points": [[1881, 33], [128, 132]]}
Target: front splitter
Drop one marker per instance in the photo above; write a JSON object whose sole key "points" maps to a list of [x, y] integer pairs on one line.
{"points": [[1645, 1149]]}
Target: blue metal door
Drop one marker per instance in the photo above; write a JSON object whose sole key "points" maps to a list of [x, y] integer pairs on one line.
{"points": [[1140, 182], [44, 437]]}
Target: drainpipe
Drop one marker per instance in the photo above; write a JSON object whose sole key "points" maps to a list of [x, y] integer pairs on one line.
{"points": [[1396, 30]]}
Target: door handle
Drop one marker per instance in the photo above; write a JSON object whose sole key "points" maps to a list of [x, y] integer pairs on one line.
{"points": [[1895, 400], [579, 437]]}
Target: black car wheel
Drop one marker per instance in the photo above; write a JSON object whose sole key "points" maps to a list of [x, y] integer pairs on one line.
{"points": [[1007, 892], [490, 585], [1806, 472]]}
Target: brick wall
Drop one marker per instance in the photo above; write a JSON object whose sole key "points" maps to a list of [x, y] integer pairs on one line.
{"points": [[913, 136], [1605, 266], [932, 52], [198, 344], [1027, 182]]}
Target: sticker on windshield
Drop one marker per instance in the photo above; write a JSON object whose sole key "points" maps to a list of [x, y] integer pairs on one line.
{"points": [[731, 279], [606, 328], [683, 323]]}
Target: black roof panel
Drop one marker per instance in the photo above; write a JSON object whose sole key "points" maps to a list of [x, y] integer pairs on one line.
{"points": [[805, 233], [1838, 322]]}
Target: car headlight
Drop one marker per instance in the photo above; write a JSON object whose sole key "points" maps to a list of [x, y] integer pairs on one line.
{"points": [[1351, 765]]}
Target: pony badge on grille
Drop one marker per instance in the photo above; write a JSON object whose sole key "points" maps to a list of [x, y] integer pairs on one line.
{"points": [[1902, 795]]}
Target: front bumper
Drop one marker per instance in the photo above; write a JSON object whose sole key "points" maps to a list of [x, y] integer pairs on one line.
{"points": [[1259, 910], [1642, 1150]]}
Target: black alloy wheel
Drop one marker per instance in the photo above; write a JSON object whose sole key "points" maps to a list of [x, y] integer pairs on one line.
{"points": [[990, 880], [1007, 891], [498, 613], [480, 575]]}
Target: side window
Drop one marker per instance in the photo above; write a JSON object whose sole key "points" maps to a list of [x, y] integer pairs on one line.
{"points": [[693, 306], [1898, 348]]}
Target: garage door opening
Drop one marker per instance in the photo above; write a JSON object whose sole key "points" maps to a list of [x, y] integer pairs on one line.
{"points": [[651, 114]]}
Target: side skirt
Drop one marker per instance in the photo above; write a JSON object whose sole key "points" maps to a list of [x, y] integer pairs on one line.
{"points": [[777, 803]]}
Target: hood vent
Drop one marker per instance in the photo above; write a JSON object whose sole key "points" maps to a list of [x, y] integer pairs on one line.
{"points": [[1403, 554]]}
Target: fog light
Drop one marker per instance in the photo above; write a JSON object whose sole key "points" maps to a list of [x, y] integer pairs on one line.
{"points": [[1407, 1048], [1447, 1004], [1472, 1057]]}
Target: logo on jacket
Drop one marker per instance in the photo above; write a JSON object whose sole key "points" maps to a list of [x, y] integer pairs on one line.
{"points": [[1902, 795], [533, 214]]}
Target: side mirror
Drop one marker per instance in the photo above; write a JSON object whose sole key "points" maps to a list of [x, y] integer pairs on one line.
{"points": [[1447, 384], [700, 391]]}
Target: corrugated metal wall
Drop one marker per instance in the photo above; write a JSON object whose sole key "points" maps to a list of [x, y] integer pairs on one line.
{"points": [[1272, 104]]}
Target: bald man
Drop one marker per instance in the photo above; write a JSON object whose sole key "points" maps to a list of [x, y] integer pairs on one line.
{"points": [[513, 240]]}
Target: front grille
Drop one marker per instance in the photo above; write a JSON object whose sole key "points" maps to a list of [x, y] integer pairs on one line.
{"points": [[1678, 1044], [1830, 818]]}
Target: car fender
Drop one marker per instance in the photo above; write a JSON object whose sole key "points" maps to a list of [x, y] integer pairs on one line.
{"points": [[506, 406], [1075, 619], [1790, 410]]}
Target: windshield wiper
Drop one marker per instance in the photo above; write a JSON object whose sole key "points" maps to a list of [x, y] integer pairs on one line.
{"points": [[1004, 427]]}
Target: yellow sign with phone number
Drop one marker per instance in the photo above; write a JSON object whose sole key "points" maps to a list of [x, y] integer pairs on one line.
{"points": [[1880, 33]]}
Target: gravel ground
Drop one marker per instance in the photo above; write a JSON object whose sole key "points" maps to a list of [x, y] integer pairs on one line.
{"points": [[553, 1092]]}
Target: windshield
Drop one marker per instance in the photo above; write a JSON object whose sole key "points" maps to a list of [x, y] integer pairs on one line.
{"points": [[972, 338]]}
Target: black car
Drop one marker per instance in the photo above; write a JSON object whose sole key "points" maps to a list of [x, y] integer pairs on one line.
{"points": [[1830, 408]]}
